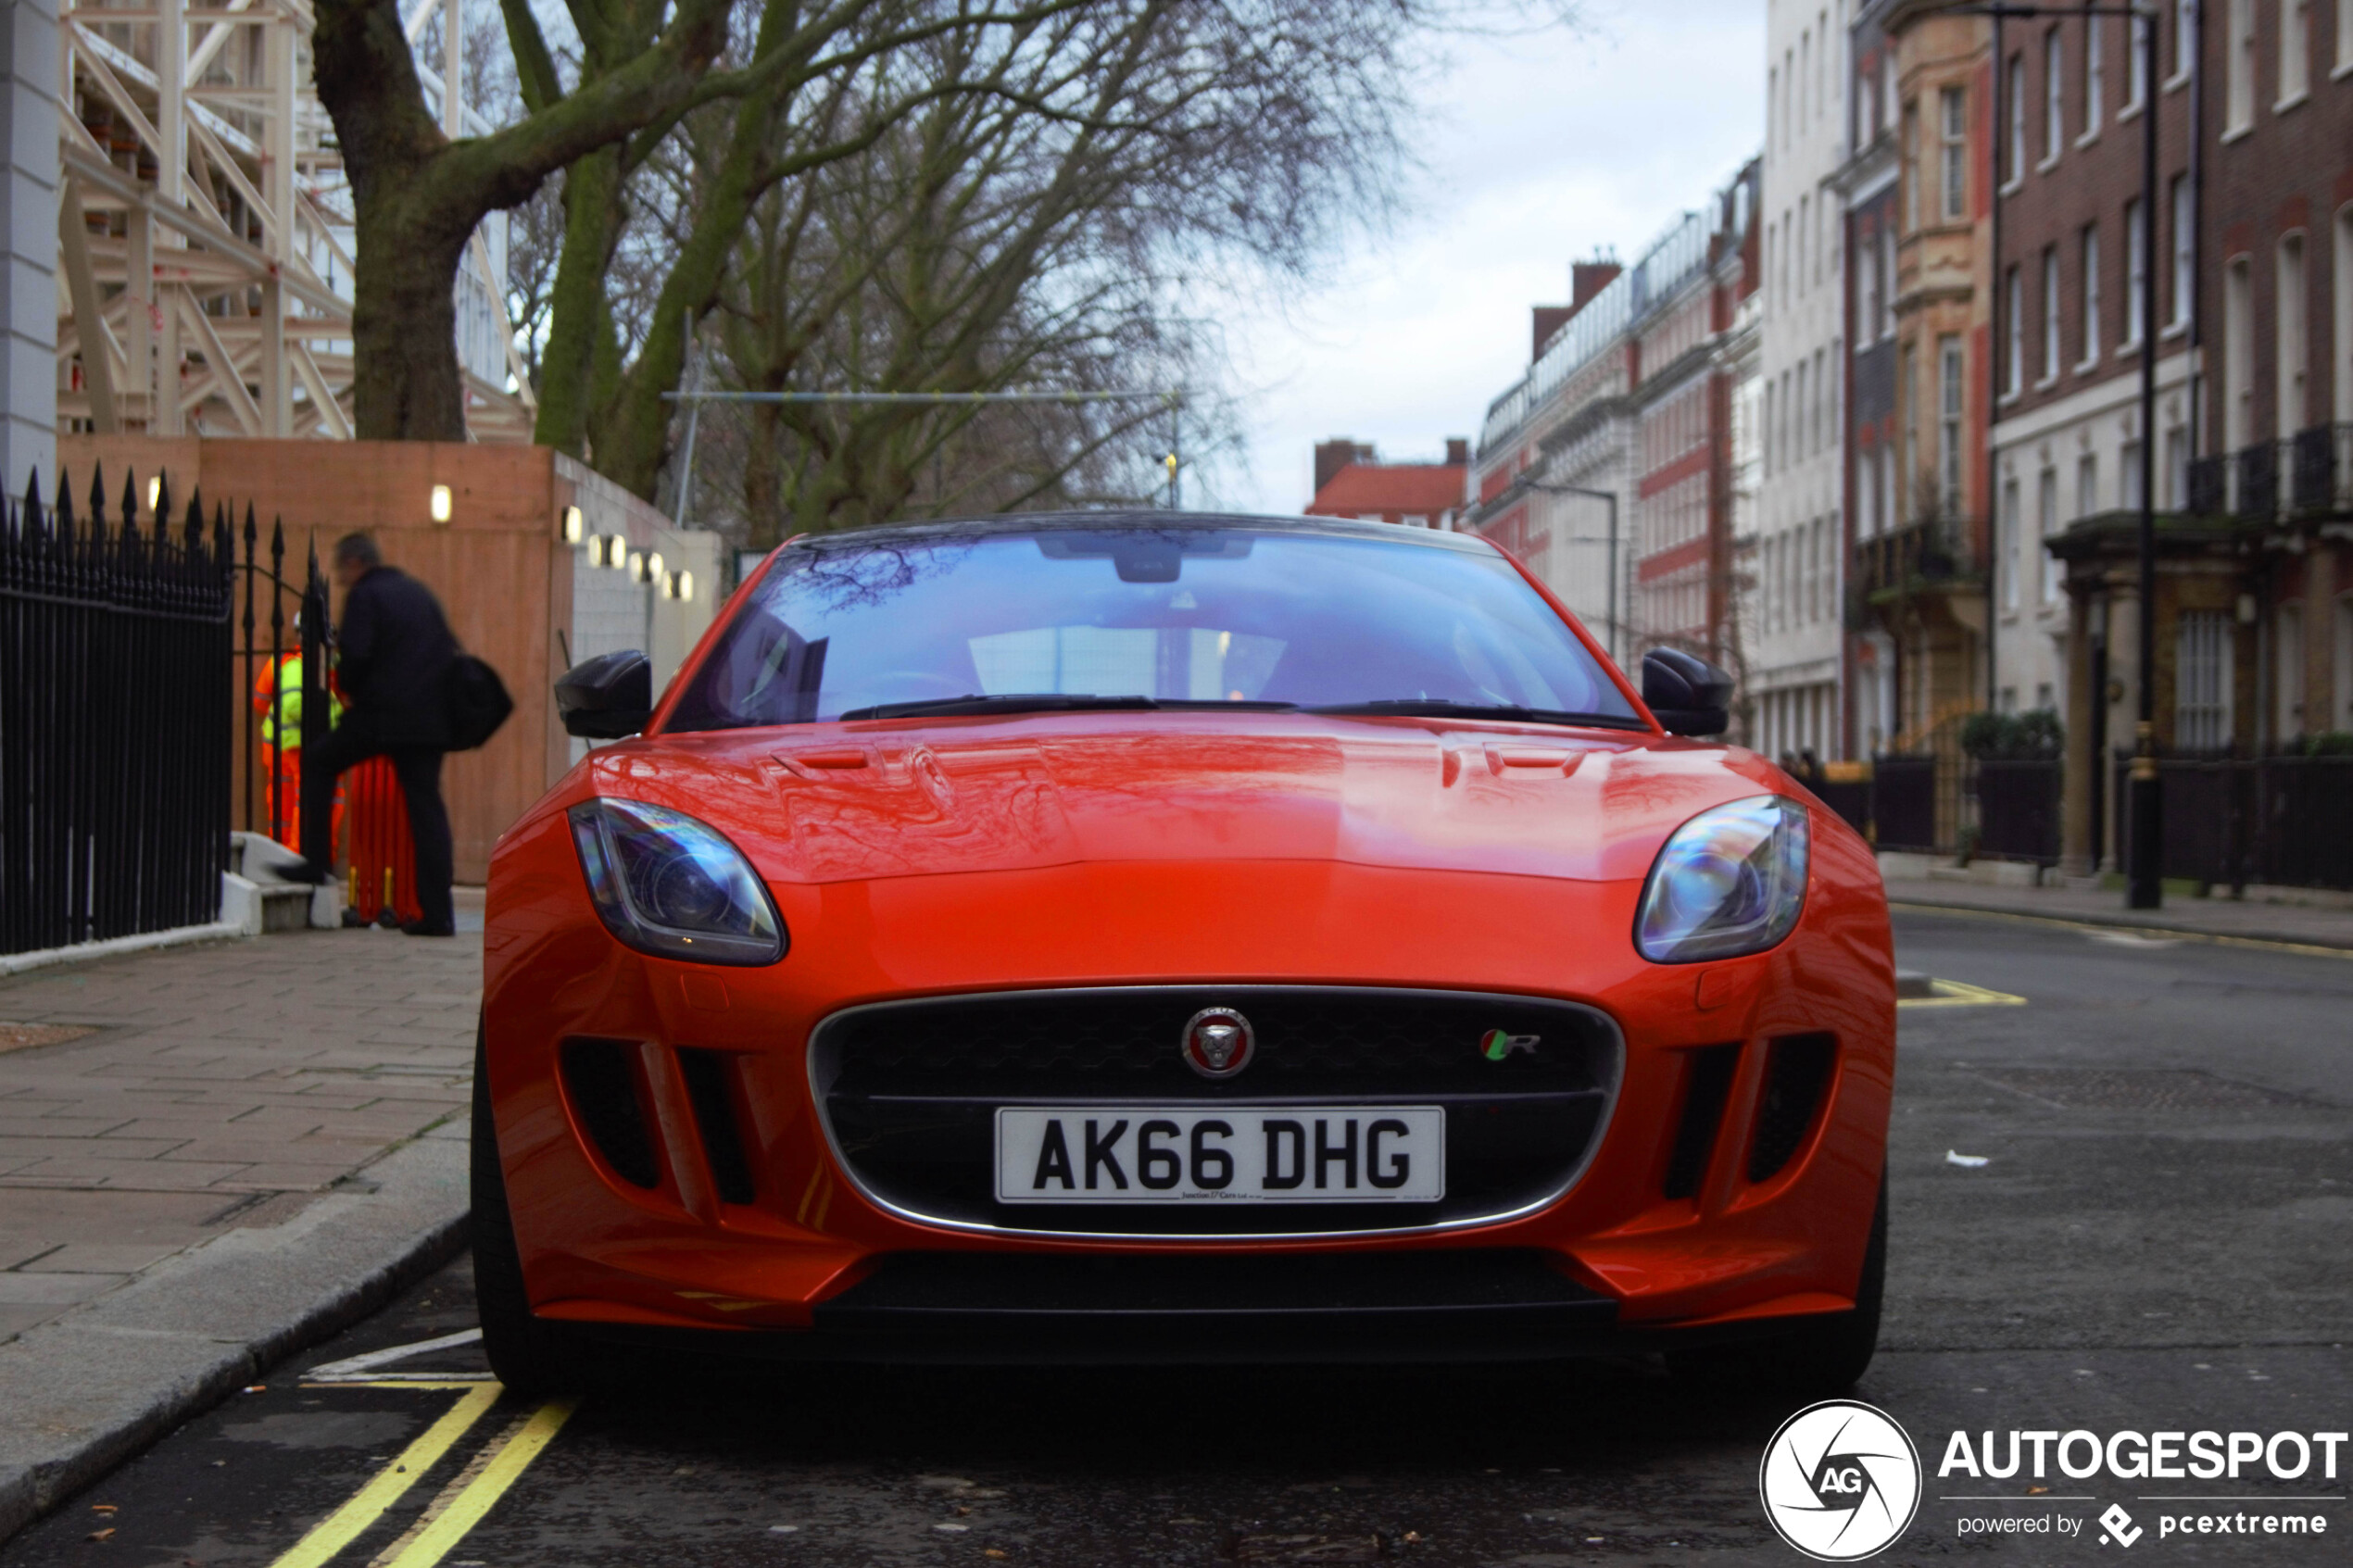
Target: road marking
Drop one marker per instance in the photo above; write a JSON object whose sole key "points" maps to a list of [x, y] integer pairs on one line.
{"points": [[504, 1463], [1958, 994], [389, 1484], [362, 1368], [2264, 943]]}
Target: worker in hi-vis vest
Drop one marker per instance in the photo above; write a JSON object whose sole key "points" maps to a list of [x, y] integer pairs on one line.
{"points": [[277, 696]]}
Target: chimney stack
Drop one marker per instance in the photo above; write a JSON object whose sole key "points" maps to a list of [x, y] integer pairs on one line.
{"points": [[1586, 278], [1335, 455], [1458, 451]]}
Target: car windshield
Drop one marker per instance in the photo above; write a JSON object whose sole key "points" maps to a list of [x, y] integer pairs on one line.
{"points": [[1144, 618]]}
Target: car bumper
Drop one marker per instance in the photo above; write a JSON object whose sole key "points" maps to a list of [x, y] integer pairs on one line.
{"points": [[1669, 1223]]}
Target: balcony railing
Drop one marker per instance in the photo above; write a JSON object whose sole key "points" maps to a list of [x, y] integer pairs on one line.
{"points": [[1919, 555], [2310, 474], [2258, 476], [2209, 486]]}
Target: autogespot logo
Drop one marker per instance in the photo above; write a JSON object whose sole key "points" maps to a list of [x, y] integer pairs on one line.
{"points": [[1841, 1481]]}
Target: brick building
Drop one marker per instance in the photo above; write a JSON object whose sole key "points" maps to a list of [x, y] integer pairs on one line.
{"points": [[2254, 611], [1631, 396], [2075, 269], [1352, 480], [1868, 186], [1919, 571]]}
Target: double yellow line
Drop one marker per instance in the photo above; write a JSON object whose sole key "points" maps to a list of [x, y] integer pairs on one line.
{"points": [[459, 1506]]}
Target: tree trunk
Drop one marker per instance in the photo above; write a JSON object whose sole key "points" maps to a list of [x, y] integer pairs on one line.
{"points": [[406, 384], [576, 305]]}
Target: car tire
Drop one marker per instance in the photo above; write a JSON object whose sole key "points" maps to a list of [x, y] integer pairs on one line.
{"points": [[1822, 1359], [529, 1355]]}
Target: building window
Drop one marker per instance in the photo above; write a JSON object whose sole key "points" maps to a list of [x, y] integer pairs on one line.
{"points": [[1804, 238], [2288, 654], [1769, 401], [1867, 525], [2238, 354], [1799, 416], [1887, 272], [2177, 467], [2343, 374], [2296, 51], [2184, 39], [2184, 249], [1949, 401], [2136, 274], [2054, 97], [1954, 120], [2095, 74], [1911, 167], [2050, 313], [2202, 681], [2240, 67], [2294, 346], [2091, 293], [2014, 307], [1823, 403], [2017, 118], [2047, 528], [2136, 69], [1866, 284], [2128, 476], [2010, 545], [2345, 63], [2087, 501], [1886, 476], [1906, 412]]}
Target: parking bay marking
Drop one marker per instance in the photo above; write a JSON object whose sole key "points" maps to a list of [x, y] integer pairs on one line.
{"points": [[1959, 994]]}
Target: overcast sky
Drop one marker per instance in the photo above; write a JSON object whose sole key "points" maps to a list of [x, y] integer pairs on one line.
{"points": [[1539, 148]]}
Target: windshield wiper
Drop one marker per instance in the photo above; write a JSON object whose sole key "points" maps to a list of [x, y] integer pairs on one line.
{"points": [[1051, 702], [1442, 707], [1003, 702]]}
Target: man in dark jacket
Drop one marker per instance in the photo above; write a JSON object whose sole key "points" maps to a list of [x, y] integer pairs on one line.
{"points": [[393, 656]]}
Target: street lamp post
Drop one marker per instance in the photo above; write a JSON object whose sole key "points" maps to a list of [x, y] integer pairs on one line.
{"points": [[2145, 795], [1610, 496]]}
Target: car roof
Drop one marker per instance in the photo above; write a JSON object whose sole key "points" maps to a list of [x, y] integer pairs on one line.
{"points": [[1140, 519]]}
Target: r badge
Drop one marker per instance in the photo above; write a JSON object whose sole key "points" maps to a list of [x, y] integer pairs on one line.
{"points": [[1218, 1042], [1495, 1045]]}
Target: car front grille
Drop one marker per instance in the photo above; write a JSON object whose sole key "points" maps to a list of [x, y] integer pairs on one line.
{"points": [[909, 1092]]}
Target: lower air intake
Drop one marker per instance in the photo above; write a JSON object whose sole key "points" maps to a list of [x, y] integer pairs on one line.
{"points": [[1707, 1083], [1796, 1075], [600, 1079], [710, 1090]]}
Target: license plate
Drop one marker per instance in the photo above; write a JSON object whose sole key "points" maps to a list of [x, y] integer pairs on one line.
{"points": [[1225, 1154]]}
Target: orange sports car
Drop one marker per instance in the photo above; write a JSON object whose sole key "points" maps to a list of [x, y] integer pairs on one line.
{"points": [[1133, 937]]}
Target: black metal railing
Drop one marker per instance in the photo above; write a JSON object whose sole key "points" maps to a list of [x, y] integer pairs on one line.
{"points": [[1919, 555], [2018, 808], [2312, 470], [115, 746], [2210, 487], [2229, 821], [2258, 472], [1904, 803]]}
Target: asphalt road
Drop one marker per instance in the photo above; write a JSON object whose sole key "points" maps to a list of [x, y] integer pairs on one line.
{"points": [[2161, 1237]]}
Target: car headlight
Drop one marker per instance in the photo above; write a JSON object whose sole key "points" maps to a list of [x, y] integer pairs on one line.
{"points": [[666, 883], [1731, 880]]}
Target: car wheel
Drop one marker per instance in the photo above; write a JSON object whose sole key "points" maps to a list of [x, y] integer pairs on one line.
{"points": [[1822, 1359], [528, 1355]]}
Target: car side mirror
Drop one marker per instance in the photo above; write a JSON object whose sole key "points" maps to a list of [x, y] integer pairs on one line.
{"points": [[1689, 696], [608, 697]]}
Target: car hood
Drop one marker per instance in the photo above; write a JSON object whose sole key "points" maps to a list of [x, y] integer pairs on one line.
{"points": [[838, 803]]}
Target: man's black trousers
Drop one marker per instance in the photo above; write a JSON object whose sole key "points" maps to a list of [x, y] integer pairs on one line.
{"points": [[419, 769]]}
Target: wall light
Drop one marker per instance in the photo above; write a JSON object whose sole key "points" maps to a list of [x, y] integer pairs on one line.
{"points": [[441, 503], [653, 567], [637, 565], [616, 551], [155, 491], [681, 585], [572, 525]]}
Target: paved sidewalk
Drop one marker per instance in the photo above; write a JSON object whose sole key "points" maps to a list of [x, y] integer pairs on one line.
{"points": [[2225, 917], [210, 1088], [210, 1156]]}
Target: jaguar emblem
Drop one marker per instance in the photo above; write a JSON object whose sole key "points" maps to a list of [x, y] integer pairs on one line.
{"points": [[1218, 1042]]}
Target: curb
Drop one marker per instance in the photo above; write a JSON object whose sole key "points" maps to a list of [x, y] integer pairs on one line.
{"points": [[2126, 920], [89, 1390]]}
